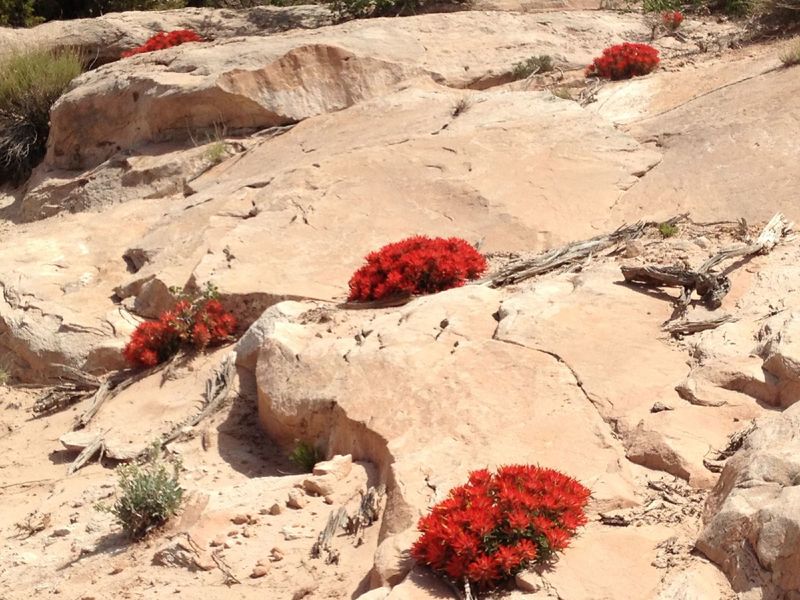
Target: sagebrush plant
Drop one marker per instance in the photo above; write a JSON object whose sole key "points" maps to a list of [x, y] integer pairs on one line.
{"points": [[149, 494], [196, 321], [416, 265], [31, 80], [498, 524], [624, 61], [791, 56], [304, 456], [534, 65], [163, 40]]}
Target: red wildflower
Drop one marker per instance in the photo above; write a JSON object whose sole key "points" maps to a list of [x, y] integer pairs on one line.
{"points": [[163, 40], [672, 19], [417, 265], [624, 61], [497, 524], [198, 324]]}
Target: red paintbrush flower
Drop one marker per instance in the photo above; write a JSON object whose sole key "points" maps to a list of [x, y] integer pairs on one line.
{"points": [[417, 265], [624, 61], [162, 40], [498, 524]]}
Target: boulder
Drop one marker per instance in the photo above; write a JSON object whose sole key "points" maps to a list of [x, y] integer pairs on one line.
{"points": [[751, 524]]}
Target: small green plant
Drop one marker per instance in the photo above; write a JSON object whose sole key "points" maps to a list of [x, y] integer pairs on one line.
{"points": [[31, 80], [534, 65], [150, 494], [216, 152], [667, 229], [791, 56], [305, 456]]}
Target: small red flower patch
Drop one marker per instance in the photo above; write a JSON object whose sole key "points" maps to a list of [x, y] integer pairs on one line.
{"points": [[198, 324], [500, 523], [163, 40], [417, 265], [624, 61], [672, 19]]}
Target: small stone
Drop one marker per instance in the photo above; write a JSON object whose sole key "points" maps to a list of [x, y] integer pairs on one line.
{"points": [[633, 248], [319, 485], [276, 554], [259, 571], [660, 407], [296, 500], [240, 519], [275, 509], [329, 499], [62, 532], [339, 467], [295, 532], [117, 570], [247, 532], [218, 541], [263, 511], [702, 241]]}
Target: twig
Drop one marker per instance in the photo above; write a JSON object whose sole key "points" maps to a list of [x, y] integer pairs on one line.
{"points": [[95, 446], [690, 327], [230, 578]]}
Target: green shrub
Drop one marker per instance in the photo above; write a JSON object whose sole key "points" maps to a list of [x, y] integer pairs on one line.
{"points": [[344, 10], [31, 80], [150, 494], [667, 229], [791, 56], [305, 456], [534, 65], [17, 13]]}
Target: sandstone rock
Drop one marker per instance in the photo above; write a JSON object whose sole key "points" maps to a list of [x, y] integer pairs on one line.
{"points": [[262, 82], [105, 38], [780, 349], [259, 571], [393, 559], [751, 523], [320, 486], [275, 509], [528, 581], [376, 594], [296, 500], [439, 371], [339, 466]]}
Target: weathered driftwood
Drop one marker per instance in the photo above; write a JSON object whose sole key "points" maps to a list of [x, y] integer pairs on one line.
{"points": [[690, 327], [96, 446], [75, 386], [568, 256], [218, 387], [336, 520], [710, 285]]}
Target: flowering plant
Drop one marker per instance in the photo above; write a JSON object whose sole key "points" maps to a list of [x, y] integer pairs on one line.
{"points": [[199, 323], [624, 61], [501, 523], [163, 40], [417, 265], [672, 19]]}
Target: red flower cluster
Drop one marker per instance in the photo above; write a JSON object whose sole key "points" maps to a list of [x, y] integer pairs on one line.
{"points": [[498, 524], [624, 61], [163, 40], [193, 324], [672, 19], [417, 265]]}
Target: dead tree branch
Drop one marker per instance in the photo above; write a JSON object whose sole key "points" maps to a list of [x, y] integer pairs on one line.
{"points": [[570, 255], [710, 285]]}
